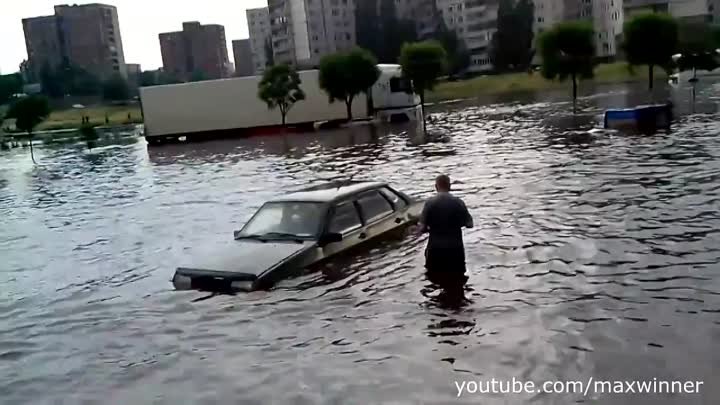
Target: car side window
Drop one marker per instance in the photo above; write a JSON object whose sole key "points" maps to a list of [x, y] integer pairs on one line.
{"points": [[345, 219], [374, 206], [396, 200]]}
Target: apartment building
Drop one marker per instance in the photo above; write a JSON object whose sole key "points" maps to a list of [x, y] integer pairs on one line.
{"points": [[43, 45], [258, 20], [86, 36], [242, 52], [475, 22], [425, 13], [605, 15], [692, 10], [303, 31], [197, 50]]}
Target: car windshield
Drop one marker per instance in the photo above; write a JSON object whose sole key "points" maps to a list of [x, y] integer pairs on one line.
{"points": [[278, 220]]}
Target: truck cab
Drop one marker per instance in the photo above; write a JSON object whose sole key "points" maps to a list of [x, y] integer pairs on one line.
{"points": [[392, 96]]}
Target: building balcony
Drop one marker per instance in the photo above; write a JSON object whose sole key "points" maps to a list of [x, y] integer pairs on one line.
{"points": [[644, 3]]}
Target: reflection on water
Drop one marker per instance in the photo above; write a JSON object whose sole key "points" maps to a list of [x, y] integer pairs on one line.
{"points": [[594, 254]]}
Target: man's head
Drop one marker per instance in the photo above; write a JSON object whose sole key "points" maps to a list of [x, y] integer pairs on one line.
{"points": [[442, 183]]}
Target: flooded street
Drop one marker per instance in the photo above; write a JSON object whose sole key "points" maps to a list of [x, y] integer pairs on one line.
{"points": [[594, 254]]}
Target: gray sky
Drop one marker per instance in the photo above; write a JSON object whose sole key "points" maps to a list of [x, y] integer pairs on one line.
{"points": [[140, 23]]}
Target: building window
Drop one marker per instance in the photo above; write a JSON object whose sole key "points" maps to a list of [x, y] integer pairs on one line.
{"points": [[347, 36], [335, 12]]}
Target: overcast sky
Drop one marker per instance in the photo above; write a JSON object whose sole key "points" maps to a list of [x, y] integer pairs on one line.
{"points": [[140, 23]]}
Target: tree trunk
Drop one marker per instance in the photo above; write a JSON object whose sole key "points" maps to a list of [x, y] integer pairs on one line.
{"points": [[283, 113], [422, 109], [574, 80], [348, 105], [32, 153]]}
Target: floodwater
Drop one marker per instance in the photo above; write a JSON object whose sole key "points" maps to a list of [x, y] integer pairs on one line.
{"points": [[594, 255]]}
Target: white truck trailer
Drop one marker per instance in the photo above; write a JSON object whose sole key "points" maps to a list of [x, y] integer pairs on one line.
{"points": [[231, 107]]}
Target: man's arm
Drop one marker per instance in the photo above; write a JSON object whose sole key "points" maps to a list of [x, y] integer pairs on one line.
{"points": [[468, 218], [422, 225]]}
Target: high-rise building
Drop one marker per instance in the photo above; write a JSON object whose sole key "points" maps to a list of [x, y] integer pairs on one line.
{"points": [[43, 45], [242, 53], [260, 43], [475, 23], [303, 31], [198, 51], [606, 17], [689, 10], [85, 36]]}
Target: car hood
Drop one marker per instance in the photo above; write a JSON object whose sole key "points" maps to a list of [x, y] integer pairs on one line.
{"points": [[247, 257]]}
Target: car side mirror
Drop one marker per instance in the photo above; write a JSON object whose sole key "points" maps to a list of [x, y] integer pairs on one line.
{"points": [[329, 238], [236, 234]]}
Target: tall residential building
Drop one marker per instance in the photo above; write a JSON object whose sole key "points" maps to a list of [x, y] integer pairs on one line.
{"points": [[86, 36], [260, 44], [692, 10], [475, 22], [425, 13], [303, 31], [42, 42], [605, 15], [196, 51], [242, 53]]}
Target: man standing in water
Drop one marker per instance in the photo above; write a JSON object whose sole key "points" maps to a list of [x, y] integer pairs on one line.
{"points": [[444, 216]]}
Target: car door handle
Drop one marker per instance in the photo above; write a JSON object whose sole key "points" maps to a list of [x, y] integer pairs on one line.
{"points": [[362, 235]]}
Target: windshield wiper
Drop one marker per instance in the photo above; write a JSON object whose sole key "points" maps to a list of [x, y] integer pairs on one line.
{"points": [[283, 235]]}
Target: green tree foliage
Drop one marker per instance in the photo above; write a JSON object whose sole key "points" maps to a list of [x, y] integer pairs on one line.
{"points": [[28, 113], [423, 63], [10, 85], [68, 80], [52, 83], [568, 50], [511, 48], [458, 56], [280, 88], [345, 75], [116, 89], [198, 76], [651, 39], [696, 46], [379, 30]]}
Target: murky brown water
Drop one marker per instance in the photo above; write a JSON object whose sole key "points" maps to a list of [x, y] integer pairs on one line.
{"points": [[594, 255]]}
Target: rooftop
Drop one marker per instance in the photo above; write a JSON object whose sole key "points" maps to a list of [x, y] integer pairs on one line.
{"points": [[329, 191]]}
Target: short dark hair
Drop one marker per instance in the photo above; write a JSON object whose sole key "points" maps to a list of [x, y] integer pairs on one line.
{"points": [[443, 182]]}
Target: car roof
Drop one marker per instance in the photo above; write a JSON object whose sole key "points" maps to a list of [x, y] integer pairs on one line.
{"points": [[330, 192]]}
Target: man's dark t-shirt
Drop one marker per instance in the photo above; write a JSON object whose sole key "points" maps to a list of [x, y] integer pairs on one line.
{"points": [[444, 216]]}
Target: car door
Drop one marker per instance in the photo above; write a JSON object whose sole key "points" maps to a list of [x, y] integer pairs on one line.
{"points": [[345, 220], [378, 213]]}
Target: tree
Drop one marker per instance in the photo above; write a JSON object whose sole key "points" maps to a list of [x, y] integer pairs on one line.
{"points": [[511, 47], [458, 56], [696, 46], [51, 82], [280, 88], [28, 113], [148, 78], [9, 86], [568, 50], [423, 63], [116, 89], [198, 76], [345, 75], [651, 39]]}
